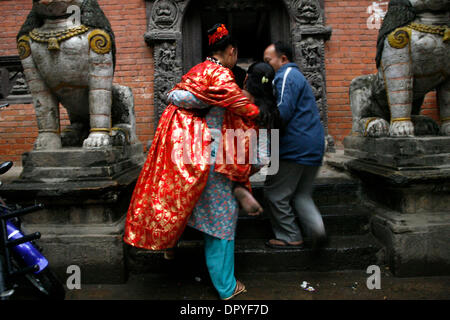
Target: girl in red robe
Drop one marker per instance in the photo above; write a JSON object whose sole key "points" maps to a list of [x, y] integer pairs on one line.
{"points": [[169, 187]]}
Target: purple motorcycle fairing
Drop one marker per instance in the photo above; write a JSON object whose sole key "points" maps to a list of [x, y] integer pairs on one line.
{"points": [[27, 252]]}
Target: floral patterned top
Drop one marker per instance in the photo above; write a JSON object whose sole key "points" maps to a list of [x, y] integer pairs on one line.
{"points": [[216, 212]]}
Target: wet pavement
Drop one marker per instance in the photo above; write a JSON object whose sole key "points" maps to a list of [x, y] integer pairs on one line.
{"points": [[338, 285], [342, 285]]}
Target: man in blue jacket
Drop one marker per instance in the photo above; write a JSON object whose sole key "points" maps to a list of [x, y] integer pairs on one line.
{"points": [[302, 147]]}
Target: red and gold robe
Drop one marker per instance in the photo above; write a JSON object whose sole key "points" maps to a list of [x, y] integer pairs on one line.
{"points": [[168, 188]]}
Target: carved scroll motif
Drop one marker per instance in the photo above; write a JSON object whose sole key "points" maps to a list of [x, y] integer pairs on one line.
{"points": [[167, 73]]}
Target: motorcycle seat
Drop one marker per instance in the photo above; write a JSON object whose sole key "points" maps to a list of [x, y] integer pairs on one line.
{"points": [[5, 166]]}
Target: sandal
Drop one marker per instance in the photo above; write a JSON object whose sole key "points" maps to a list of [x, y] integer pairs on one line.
{"points": [[285, 245], [240, 288]]}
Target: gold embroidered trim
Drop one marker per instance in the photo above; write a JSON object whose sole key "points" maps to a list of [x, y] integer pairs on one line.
{"points": [[400, 119], [400, 37], [23, 46], [100, 41], [53, 38], [445, 119]]}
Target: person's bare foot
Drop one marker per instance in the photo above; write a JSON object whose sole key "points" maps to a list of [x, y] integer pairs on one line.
{"points": [[247, 201]]}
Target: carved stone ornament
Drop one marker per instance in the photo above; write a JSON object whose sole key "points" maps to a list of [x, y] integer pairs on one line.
{"points": [[164, 14], [55, 57], [310, 53], [13, 86], [307, 11], [316, 81], [167, 73]]}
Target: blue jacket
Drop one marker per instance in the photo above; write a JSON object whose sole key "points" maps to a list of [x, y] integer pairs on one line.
{"points": [[302, 138]]}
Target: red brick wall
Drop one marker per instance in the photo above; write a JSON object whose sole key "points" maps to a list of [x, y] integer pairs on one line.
{"points": [[18, 128], [349, 53]]}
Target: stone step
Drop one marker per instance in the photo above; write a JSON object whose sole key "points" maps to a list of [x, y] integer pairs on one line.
{"points": [[339, 221], [251, 255], [328, 191]]}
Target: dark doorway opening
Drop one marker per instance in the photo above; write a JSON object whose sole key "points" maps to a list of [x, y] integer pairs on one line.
{"points": [[253, 23]]}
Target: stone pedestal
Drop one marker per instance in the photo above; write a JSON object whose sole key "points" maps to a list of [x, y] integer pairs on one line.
{"points": [[86, 194], [409, 181], [80, 165]]}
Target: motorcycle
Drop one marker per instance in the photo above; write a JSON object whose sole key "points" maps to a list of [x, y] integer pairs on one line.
{"points": [[20, 257]]}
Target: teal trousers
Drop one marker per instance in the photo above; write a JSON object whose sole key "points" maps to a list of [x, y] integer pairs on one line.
{"points": [[220, 262]]}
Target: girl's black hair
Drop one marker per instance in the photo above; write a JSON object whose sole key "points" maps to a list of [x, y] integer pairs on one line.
{"points": [[259, 84], [222, 43]]}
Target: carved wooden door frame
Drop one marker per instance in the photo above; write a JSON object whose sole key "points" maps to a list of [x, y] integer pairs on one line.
{"points": [[308, 34]]}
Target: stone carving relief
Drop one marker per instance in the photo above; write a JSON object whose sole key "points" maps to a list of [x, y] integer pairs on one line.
{"points": [[389, 102], [13, 86], [20, 86], [167, 73], [55, 57], [307, 11], [310, 54], [316, 81], [164, 14]]}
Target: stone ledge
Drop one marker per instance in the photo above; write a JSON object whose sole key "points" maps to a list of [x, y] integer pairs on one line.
{"points": [[419, 153], [416, 244], [79, 165]]}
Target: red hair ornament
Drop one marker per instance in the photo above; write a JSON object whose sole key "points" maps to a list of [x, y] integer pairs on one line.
{"points": [[219, 34]]}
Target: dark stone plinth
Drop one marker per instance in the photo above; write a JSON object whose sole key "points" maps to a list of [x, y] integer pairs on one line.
{"points": [[418, 153], [408, 181], [77, 164], [409, 175], [83, 219], [415, 244]]}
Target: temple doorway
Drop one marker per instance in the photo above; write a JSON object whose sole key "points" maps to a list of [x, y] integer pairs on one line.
{"points": [[177, 33], [253, 23]]}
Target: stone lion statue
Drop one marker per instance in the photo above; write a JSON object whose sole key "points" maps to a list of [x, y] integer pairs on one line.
{"points": [[67, 50], [413, 58]]}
